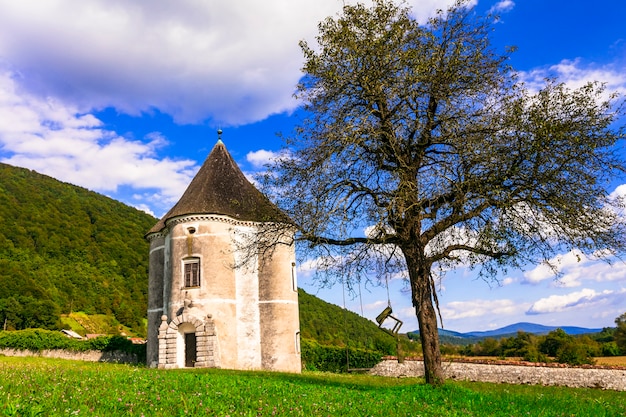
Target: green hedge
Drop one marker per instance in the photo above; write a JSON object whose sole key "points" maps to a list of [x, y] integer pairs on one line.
{"points": [[316, 357], [38, 339]]}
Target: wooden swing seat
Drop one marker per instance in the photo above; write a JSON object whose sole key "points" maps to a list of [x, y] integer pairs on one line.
{"points": [[384, 315]]}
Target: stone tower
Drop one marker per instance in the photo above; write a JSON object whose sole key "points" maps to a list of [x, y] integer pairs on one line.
{"points": [[204, 308]]}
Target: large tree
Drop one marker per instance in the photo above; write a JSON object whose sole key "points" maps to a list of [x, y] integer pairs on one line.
{"points": [[420, 151]]}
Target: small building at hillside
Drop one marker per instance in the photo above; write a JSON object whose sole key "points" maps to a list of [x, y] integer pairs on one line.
{"points": [[206, 308]]}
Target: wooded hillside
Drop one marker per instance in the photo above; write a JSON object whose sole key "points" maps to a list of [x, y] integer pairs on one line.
{"points": [[64, 248]]}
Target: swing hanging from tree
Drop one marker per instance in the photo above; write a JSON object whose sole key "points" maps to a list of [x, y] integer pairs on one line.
{"points": [[386, 314], [380, 319]]}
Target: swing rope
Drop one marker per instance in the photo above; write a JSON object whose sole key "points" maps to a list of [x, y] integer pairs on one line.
{"points": [[387, 286], [345, 320]]}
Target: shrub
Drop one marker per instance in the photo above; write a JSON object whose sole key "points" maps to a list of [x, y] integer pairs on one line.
{"points": [[610, 349], [574, 353], [532, 354], [490, 347], [448, 349], [316, 357], [109, 343], [37, 340]]}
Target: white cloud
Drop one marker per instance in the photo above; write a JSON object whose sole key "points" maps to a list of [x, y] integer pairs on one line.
{"points": [[576, 73], [228, 62], [502, 6], [58, 140], [619, 197], [584, 299], [422, 10], [480, 308], [145, 208], [575, 268], [508, 281], [379, 306], [560, 263], [233, 62], [260, 158]]}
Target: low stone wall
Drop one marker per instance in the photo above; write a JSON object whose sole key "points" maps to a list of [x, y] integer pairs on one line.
{"points": [[613, 379], [90, 355]]}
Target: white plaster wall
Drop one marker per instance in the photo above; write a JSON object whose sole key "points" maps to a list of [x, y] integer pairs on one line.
{"points": [[248, 319], [249, 307], [167, 274]]}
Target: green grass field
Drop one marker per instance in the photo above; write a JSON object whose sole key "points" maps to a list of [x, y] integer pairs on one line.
{"points": [[47, 387]]}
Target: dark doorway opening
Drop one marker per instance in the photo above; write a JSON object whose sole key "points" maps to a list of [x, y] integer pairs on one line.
{"points": [[190, 350]]}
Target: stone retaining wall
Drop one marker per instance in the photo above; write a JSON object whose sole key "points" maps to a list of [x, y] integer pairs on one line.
{"points": [[613, 379], [90, 355]]}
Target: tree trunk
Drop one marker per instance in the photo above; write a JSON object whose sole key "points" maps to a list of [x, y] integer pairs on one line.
{"points": [[422, 295]]}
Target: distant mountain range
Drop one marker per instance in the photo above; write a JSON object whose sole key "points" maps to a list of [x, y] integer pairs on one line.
{"points": [[450, 336], [520, 327]]}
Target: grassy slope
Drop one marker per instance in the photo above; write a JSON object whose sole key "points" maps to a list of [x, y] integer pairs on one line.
{"points": [[84, 324], [36, 386]]}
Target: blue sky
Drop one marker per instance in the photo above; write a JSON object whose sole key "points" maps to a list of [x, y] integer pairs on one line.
{"points": [[124, 98]]}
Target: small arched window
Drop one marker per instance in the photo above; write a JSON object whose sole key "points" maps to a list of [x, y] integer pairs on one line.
{"points": [[191, 272]]}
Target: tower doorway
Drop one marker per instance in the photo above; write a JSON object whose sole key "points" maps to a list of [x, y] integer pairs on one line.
{"points": [[190, 350]]}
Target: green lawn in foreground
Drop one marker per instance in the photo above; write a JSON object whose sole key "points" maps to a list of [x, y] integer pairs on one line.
{"points": [[46, 387]]}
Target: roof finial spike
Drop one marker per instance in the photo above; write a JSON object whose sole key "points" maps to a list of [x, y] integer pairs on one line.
{"points": [[219, 135]]}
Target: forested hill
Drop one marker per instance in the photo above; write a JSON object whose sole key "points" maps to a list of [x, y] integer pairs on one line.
{"points": [[64, 248]]}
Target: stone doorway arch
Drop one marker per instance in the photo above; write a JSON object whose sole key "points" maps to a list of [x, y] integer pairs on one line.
{"points": [[176, 336]]}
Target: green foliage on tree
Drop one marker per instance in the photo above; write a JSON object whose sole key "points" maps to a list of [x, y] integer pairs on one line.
{"points": [[610, 349], [554, 341], [23, 312], [606, 335], [421, 151], [524, 345], [64, 248]]}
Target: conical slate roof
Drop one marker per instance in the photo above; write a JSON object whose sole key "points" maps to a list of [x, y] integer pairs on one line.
{"points": [[220, 187]]}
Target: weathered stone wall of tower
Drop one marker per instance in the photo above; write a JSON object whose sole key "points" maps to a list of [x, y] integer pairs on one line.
{"points": [[155, 296], [279, 314], [211, 243], [253, 307]]}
